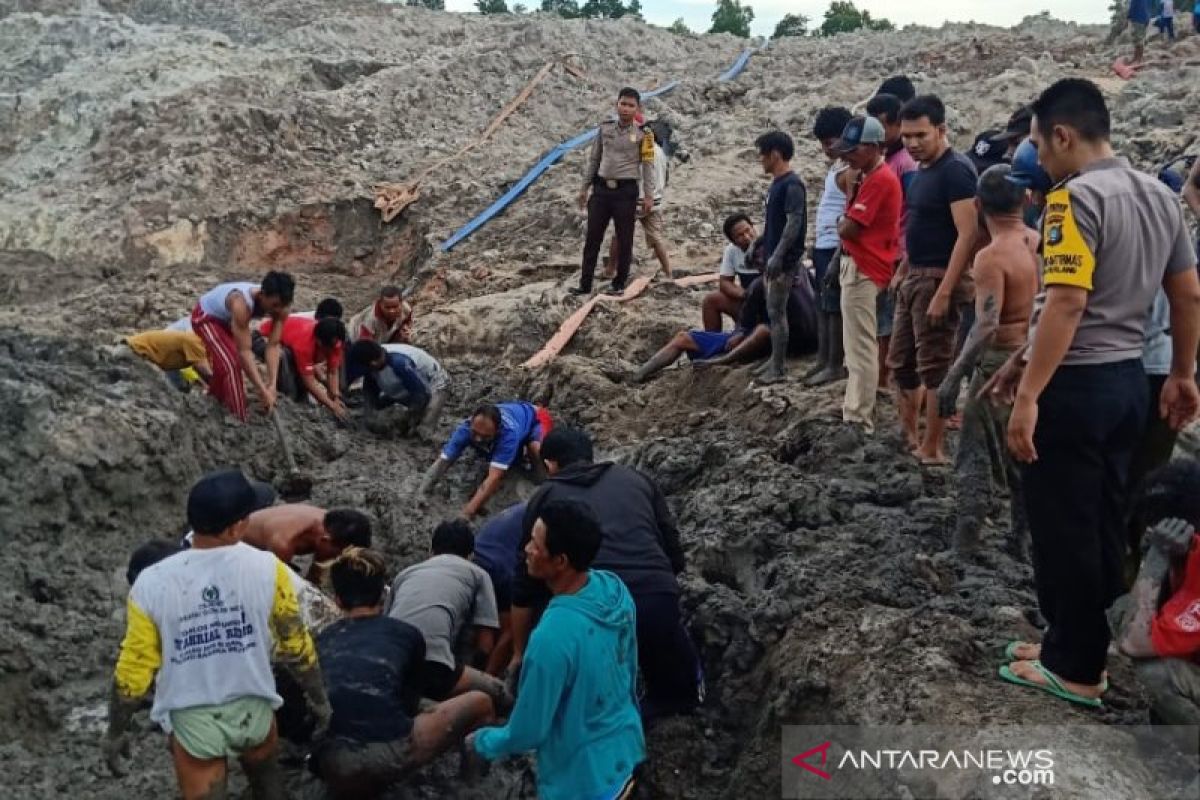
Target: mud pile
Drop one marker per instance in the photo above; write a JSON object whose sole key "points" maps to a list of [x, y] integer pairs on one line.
{"points": [[149, 148]]}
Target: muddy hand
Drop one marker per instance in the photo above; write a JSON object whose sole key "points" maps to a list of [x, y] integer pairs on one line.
{"points": [[939, 306], [1001, 388], [1172, 536], [115, 750], [268, 399]]}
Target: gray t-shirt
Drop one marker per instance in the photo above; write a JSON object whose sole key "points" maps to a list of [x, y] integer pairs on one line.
{"points": [[427, 366], [1114, 232], [439, 597]]}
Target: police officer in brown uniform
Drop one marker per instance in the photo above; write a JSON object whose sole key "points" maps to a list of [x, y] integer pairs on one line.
{"points": [[622, 157]]}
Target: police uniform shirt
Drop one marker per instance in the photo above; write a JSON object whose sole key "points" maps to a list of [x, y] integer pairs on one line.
{"points": [[622, 153]]}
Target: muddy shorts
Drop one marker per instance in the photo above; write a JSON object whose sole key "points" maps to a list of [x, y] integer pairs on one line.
{"points": [[1137, 32], [920, 353], [363, 769], [652, 227], [885, 311], [224, 730]]}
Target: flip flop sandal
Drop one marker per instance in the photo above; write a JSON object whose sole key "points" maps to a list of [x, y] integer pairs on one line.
{"points": [[1052, 686], [1010, 654]]}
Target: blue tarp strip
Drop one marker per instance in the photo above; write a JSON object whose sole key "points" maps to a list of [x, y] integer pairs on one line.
{"points": [[551, 158]]}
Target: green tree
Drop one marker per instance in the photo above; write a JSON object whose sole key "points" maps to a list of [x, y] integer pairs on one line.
{"points": [[564, 8], [732, 17], [436, 5], [634, 9], [520, 8], [791, 25], [491, 6], [680, 27], [843, 17]]}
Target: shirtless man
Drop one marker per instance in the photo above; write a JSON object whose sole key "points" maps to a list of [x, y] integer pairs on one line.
{"points": [[1006, 279], [297, 529]]}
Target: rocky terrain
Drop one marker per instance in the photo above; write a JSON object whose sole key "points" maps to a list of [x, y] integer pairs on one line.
{"points": [[149, 148]]}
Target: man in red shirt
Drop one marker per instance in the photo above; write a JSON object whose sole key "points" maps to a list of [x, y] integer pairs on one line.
{"points": [[307, 343], [1165, 637], [870, 235]]}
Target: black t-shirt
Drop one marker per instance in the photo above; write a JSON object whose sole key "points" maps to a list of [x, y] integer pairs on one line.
{"points": [[930, 234], [787, 196], [370, 666]]}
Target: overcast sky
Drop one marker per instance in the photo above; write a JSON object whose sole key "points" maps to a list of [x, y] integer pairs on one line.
{"points": [[698, 13]]}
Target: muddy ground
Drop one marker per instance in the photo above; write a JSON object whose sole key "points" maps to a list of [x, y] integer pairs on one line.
{"points": [[151, 148]]}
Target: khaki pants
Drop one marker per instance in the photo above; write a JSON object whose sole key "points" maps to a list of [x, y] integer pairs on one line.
{"points": [[861, 344]]}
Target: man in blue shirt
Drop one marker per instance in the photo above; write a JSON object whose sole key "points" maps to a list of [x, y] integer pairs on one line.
{"points": [[497, 548], [783, 242], [400, 375], [500, 432]]}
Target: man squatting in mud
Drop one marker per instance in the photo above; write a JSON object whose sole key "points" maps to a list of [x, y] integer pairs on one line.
{"points": [[1006, 280], [621, 161]]}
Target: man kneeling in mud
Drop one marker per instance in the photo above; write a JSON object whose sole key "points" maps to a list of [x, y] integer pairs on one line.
{"points": [[1006, 280], [373, 664], [1164, 637]]}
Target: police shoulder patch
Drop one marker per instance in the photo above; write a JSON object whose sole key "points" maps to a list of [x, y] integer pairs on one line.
{"points": [[647, 151], [1068, 261]]}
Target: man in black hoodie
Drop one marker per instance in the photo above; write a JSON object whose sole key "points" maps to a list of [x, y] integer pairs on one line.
{"points": [[640, 544]]}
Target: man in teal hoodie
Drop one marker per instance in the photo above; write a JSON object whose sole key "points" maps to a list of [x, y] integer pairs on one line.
{"points": [[576, 706]]}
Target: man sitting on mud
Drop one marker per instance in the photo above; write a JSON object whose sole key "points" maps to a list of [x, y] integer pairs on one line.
{"points": [[372, 665], [222, 320], [737, 272], [400, 375], [296, 529], [388, 320], [500, 432], [441, 596], [577, 702], [307, 345], [641, 545], [1164, 637], [206, 622], [1006, 280]]}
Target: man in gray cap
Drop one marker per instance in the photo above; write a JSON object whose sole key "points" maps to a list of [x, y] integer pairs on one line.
{"points": [[869, 231]]}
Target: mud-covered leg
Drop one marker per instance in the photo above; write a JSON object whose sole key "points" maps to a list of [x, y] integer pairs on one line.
{"points": [[778, 289], [973, 473], [1174, 688]]}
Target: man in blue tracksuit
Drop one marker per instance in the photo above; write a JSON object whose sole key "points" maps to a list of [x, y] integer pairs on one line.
{"points": [[576, 707]]}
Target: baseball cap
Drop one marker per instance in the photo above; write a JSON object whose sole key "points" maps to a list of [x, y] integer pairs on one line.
{"points": [[218, 500], [986, 151], [1018, 126], [859, 130], [1026, 171]]}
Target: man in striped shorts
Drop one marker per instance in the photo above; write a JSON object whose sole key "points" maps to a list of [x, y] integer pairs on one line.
{"points": [[222, 320]]}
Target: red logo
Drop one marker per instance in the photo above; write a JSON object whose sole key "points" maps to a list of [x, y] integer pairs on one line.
{"points": [[802, 759]]}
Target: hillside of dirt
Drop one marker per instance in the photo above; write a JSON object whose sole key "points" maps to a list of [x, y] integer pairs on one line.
{"points": [[150, 148]]}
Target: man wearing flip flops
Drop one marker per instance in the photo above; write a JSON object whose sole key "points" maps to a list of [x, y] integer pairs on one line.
{"points": [[1111, 236]]}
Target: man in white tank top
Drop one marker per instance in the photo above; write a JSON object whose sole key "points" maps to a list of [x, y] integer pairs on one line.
{"points": [[222, 320]]}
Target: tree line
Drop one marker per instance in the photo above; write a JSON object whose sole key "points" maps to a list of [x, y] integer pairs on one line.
{"points": [[730, 16]]}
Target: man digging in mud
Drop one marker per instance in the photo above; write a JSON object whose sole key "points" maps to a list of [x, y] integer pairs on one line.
{"points": [[295, 530], [621, 163], [1006, 280], [1164, 636], [388, 320], [1111, 236], [641, 545], [309, 345], [403, 376], [442, 597], [940, 238], [372, 663], [206, 622], [783, 243], [222, 320], [501, 433]]}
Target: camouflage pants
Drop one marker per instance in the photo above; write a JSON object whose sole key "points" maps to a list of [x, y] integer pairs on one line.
{"points": [[983, 464]]}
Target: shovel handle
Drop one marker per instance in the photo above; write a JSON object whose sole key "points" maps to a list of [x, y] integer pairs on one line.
{"points": [[283, 440]]}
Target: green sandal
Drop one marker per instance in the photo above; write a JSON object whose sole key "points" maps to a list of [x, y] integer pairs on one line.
{"points": [[1052, 685], [1010, 654]]}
